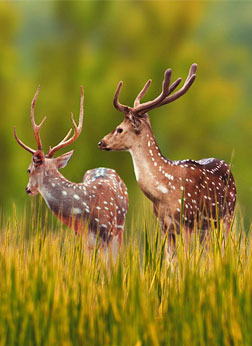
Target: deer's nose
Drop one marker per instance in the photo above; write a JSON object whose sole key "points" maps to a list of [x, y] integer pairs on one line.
{"points": [[27, 190], [101, 145]]}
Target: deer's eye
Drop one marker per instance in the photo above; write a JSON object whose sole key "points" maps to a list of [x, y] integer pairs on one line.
{"points": [[119, 130], [28, 171]]}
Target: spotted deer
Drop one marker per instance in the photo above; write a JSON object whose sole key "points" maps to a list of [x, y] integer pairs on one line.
{"points": [[99, 203], [185, 194]]}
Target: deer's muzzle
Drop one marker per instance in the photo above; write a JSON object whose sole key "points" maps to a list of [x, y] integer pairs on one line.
{"points": [[103, 146], [27, 190]]}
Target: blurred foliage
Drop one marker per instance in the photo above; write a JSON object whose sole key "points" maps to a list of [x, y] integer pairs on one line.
{"points": [[61, 45]]}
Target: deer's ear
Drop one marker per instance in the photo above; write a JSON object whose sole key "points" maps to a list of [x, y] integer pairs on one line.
{"points": [[62, 161]]}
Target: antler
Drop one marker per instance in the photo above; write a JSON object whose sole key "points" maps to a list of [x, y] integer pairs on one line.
{"points": [[117, 104], [32, 151], [162, 99], [36, 128], [77, 130]]}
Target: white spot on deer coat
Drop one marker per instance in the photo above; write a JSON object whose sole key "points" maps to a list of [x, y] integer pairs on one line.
{"points": [[77, 211], [162, 188], [169, 176]]}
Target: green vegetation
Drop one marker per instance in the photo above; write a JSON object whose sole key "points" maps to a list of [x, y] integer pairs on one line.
{"points": [[53, 292]]}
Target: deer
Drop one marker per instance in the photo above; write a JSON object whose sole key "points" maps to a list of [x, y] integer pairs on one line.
{"points": [[187, 195], [97, 206]]}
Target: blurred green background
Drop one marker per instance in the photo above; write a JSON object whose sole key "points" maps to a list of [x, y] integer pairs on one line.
{"points": [[61, 45]]}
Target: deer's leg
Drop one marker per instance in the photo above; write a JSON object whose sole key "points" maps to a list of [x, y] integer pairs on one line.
{"points": [[170, 244], [227, 223], [115, 244], [186, 234], [171, 247], [192, 236], [167, 226]]}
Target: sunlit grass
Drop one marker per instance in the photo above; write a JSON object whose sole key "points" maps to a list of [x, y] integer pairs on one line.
{"points": [[52, 291]]}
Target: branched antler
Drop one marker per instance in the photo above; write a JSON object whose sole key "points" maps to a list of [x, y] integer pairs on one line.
{"points": [[77, 130], [36, 128], [164, 98]]}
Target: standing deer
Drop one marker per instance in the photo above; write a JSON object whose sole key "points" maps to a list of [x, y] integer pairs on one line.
{"points": [[99, 203], [188, 194]]}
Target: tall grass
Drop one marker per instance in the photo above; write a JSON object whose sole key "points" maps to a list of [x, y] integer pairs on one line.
{"points": [[53, 292]]}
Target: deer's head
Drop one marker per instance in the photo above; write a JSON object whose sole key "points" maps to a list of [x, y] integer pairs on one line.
{"points": [[42, 163], [136, 120]]}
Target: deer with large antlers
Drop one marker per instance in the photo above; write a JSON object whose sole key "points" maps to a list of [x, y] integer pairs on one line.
{"points": [[185, 194], [99, 203]]}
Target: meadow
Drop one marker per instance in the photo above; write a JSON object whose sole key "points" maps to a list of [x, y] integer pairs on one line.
{"points": [[53, 292]]}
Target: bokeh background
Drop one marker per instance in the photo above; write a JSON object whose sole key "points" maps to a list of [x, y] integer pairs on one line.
{"points": [[61, 45]]}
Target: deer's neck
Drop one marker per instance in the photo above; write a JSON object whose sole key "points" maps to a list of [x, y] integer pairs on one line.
{"points": [[65, 198], [151, 167]]}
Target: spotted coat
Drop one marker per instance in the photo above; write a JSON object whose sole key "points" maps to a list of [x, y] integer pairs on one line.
{"points": [[99, 202]]}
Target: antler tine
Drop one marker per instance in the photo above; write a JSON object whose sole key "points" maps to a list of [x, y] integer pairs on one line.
{"points": [[144, 107], [122, 108], [68, 133], [189, 81], [77, 130], [174, 85], [192, 71], [61, 142], [32, 151], [36, 128], [142, 93]]}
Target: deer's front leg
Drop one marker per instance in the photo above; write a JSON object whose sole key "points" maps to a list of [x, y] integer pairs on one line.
{"points": [[167, 225]]}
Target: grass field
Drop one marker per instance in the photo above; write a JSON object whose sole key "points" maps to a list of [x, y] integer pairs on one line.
{"points": [[53, 293]]}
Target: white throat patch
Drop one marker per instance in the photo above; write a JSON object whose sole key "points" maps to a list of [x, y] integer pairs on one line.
{"points": [[135, 165]]}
